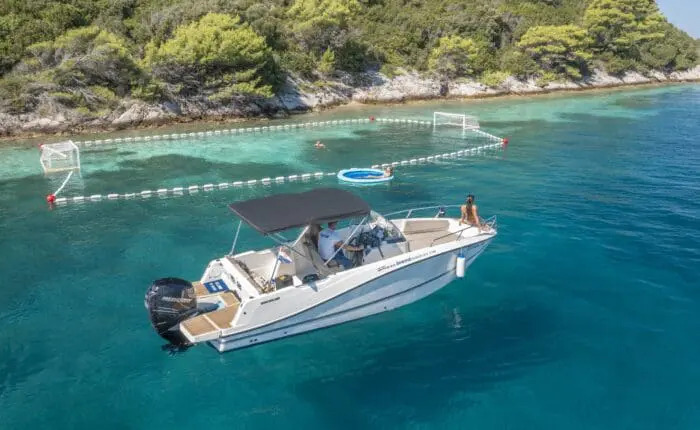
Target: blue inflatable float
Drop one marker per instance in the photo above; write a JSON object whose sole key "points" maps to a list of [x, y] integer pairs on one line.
{"points": [[363, 176]]}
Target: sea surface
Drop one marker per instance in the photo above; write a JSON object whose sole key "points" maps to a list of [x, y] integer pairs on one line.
{"points": [[584, 313]]}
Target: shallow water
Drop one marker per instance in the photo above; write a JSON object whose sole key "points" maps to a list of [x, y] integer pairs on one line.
{"points": [[582, 314]]}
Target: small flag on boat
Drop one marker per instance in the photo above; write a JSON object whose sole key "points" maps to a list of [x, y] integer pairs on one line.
{"points": [[283, 256]]}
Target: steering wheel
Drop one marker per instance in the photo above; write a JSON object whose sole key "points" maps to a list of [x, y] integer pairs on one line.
{"points": [[356, 256]]}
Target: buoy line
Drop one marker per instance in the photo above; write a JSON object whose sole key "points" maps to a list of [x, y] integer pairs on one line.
{"points": [[304, 177], [250, 130]]}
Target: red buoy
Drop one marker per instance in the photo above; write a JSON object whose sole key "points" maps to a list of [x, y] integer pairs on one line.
{"points": [[51, 199], [505, 141], [371, 118]]}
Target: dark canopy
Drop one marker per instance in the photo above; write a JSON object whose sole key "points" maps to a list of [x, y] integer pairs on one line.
{"points": [[284, 211]]}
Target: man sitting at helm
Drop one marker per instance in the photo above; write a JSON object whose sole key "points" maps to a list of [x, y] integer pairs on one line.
{"points": [[329, 240]]}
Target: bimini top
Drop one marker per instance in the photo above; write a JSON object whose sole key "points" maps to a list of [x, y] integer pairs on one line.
{"points": [[284, 211]]}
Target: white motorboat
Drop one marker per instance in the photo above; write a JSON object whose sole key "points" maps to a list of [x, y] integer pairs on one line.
{"points": [[248, 298]]}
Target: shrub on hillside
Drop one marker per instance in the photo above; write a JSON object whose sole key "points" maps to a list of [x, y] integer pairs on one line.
{"points": [[493, 79]]}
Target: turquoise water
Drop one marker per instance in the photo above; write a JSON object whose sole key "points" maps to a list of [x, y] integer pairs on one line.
{"points": [[583, 314]]}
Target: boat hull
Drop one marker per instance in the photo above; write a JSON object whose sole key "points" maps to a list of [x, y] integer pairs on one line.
{"points": [[383, 292]]}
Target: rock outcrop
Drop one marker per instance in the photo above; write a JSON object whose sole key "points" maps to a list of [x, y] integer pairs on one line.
{"points": [[298, 95]]}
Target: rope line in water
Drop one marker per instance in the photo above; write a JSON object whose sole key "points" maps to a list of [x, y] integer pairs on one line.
{"points": [[248, 130], [192, 189]]}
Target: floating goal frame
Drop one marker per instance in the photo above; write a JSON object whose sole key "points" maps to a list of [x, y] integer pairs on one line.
{"points": [[60, 157], [467, 122]]}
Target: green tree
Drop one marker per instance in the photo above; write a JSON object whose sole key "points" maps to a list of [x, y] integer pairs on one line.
{"points": [[676, 51], [327, 64], [87, 56], [23, 23], [519, 64], [319, 24], [215, 47], [560, 49], [453, 57], [619, 25]]}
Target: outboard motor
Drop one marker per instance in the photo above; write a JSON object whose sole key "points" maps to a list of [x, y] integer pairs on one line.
{"points": [[170, 301]]}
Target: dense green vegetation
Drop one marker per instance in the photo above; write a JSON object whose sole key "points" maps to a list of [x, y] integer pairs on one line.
{"points": [[86, 54]]}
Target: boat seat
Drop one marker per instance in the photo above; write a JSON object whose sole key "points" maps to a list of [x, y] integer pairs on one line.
{"points": [[425, 226], [424, 240], [318, 263], [257, 281]]}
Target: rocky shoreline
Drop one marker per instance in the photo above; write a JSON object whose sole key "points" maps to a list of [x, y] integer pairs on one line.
{"points": [[300, 96]]}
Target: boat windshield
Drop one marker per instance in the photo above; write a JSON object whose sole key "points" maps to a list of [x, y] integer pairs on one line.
{"points": [[358, 228], [391, 233]]}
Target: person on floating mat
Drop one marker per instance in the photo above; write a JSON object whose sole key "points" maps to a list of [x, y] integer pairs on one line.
{"points": [[388, 172]]}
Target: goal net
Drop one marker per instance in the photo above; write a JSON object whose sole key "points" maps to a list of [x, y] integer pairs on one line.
{"points": [[466, 122], [60, 157]]}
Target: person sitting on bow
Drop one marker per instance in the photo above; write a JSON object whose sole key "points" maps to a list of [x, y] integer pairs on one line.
{"points": [[470, 214]]}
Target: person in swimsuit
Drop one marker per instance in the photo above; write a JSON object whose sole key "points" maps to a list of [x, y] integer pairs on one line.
{"points": [[389, 171], [470, 215]]}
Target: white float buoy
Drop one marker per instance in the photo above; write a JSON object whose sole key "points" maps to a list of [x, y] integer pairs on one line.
{"points": [[461, 265]]}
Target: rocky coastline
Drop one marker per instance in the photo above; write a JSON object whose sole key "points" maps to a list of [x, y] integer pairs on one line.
{"points": [[300, 96]]}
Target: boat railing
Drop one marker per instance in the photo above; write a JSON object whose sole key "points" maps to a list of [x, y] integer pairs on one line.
{"points": [[439, 211]]}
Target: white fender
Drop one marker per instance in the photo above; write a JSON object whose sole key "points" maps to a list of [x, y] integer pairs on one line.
{"points": [[461, 265]]}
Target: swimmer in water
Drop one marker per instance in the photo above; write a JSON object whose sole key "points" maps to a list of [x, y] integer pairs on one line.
{"points": [[319, 145]]}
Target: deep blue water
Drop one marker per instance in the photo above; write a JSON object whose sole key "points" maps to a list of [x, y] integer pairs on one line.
{"points": [[584, 313]]}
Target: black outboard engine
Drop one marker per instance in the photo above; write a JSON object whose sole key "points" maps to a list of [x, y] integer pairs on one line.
{"points": [[170, 301]]}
